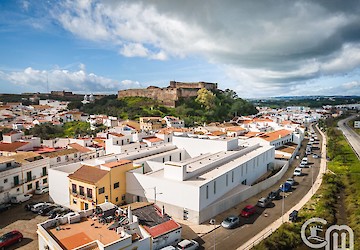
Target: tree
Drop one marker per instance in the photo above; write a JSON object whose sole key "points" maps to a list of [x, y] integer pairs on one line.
{"points": [[205, 98]]}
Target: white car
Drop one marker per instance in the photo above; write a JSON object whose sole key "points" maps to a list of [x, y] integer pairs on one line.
{"points": [[297, 172], [316, 156], [42, 190], [188, 245], [291, 181], [305, 160]]}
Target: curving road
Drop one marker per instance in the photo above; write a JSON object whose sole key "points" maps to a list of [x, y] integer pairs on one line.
{"points": [[352, 137]]}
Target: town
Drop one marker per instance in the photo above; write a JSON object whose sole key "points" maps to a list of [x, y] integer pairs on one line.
{"points": [[154, 182]]}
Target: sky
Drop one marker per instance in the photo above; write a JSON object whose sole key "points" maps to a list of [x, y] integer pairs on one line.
{"points": [[257, 48]]}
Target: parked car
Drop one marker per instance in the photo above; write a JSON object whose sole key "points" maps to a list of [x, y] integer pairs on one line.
{"points": [[275, 195], [303, 165], [293, 216], [230, 222], [248, 211], [36, 208], [316, 156], [45, 210], [263, 202], [297, 172], [20, 198], [168, 248], [30, 205], [42, 190], [4, 207], [10, 238], [188, 244], [291, 181], [286, 187], [305, 160]]}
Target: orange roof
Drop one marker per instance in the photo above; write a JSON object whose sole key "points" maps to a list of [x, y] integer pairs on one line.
{"points": [[79, 148], [88, 174], [116, 134], [11, 147], [262, 120], [162, 228], [235, 129], [251, 134], [217, 133], [116, 163], [153, 139], [272, 136]]}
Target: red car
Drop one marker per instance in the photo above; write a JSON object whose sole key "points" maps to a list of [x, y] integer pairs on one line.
{"points": [[248, 211], [10, 239]]}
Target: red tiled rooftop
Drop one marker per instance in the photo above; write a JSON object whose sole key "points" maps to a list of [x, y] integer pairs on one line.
{"points": [[79, 148], [272, 136], [116, 163], [162, 228], [11, 147], [153, 139]]}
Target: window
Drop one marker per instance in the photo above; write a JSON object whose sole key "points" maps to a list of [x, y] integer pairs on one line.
{"points": [[123, 197], [16, 180], [8, 164], [232, 176], [207, 192], [75, 155], [66, 157], [73, 188], [122, 142], [29, 186], [58, 159], [28, 176], [81, 190], [180, 156], [86, 206], [242, 170], [163, 160], [117, 199], [44, 172], [102, 190], [170, 158], [116, 185], [5, 180], [227, 180], [44, 180], [89, 192], [128, 140], [214, 187], [74, 201]]}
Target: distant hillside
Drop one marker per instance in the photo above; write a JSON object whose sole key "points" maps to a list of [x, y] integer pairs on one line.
{"points": [[307, 101], [207, 107]]}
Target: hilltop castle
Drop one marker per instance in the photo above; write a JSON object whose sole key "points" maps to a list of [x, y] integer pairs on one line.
{"points": [[170, 95]]}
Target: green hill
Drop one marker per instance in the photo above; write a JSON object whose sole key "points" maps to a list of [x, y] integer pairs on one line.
{"points": [[207, 107]]}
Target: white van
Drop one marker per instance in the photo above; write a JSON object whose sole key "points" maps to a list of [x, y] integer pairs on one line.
{"points": [[20, 198]]}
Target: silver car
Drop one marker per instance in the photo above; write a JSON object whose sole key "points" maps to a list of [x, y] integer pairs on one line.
{"points": [[263, 202], [230, 222]]}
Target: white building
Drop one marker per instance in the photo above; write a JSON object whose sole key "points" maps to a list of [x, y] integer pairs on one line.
{"points": [[174, 122], [190, 179]]}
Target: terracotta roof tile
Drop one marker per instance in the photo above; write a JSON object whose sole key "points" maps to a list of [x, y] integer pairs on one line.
{"points": [[116, 163], [153, 139], [11, 147], [162, 228], [88, 174], [79, 148], [272, 136]]}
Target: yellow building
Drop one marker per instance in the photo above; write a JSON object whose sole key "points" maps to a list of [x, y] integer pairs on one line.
{"points": [[150, 123], [89, 185]]}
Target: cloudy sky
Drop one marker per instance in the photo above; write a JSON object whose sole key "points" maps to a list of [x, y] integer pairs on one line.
{"points": [[257, 48]]}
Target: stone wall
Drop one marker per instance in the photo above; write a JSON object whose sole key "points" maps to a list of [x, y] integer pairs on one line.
{"points": [[170, 95]]}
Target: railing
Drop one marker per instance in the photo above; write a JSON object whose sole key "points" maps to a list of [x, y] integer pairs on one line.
{"points": [[20, 182], [258, 240]]}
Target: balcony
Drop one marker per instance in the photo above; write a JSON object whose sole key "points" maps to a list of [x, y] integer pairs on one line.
{"points": [[14, 184]]}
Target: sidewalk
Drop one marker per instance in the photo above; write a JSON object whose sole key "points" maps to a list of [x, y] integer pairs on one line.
{"points": [[276, 224]]}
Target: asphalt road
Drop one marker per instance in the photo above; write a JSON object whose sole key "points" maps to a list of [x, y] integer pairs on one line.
{"points": [[234, 238], [352, 137]]}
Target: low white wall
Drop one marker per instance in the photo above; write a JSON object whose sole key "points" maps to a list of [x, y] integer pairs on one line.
{"points": [[225, 204]]}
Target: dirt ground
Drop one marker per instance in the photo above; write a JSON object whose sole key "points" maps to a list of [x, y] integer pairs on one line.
{"points": [[17, 218]]}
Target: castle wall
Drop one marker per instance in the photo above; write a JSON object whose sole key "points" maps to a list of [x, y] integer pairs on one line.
{"points": [[193, 85]]}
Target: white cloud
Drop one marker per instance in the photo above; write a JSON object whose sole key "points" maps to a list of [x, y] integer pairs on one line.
{"points": [[352, 85], [78, 81], [255, 41]]}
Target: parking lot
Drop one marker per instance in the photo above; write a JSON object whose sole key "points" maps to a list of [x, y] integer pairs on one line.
{"points": [[17, 218]]}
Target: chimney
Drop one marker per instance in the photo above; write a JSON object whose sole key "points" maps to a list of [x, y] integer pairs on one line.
{"points": [[106, 198], [130, 216], [163, 211]]}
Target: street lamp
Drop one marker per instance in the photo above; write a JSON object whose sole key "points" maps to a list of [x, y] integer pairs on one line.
{"points": [[212, 222], [282, 206]]}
